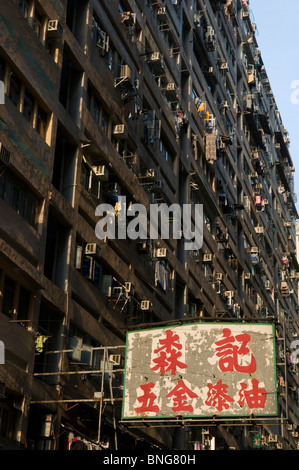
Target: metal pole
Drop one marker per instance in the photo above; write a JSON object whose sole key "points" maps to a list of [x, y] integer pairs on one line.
{"points": [[113, 410], [101, 401]]}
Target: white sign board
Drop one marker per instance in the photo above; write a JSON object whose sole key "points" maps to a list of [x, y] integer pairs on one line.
{"points": [[201, 370]]}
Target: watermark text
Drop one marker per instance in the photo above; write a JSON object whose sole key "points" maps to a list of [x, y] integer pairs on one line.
{"points": [[186, 224]]}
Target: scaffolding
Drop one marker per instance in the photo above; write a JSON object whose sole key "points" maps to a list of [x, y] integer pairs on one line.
{"points": [[99, 396]]}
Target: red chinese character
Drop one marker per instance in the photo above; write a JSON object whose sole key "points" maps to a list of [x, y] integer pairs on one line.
{"points": [[179, 394], [229, 353], [255, 398], [169, 342], [147, 400], [168, 358], [217, 396]]}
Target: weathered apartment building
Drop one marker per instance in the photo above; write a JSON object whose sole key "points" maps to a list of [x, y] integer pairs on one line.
{"points": [[160, 101]]}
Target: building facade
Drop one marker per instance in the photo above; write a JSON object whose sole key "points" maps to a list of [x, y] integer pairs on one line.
{"points": [[158, 101]]}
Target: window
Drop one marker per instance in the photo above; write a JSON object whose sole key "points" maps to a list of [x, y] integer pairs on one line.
{"points": [[26, 102], [9, 416], [166, 152], [8, 293], [24, 303], [100, 116], [96, 110], [24, 8], [105, 122], [41, 122], [89, 180], [28, 106], [18, 196], [37, 24], [99, 37], [15, 90]]}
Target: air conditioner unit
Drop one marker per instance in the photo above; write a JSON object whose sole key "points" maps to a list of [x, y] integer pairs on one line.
{"points": [[224, 66], [92, 249], [247, 276], [267, 285], [146, 305], [207, 258], [171, 87], [119, 131], [259, 229], [125, 72], [229, 296], [118, 292], [288, 224], [279, 445], [218, 287], [254, 249], [210, 70], [266, 202], [272, 438], [150, 173], [102, 172], [161, 12], [54, 29], [161, 252], [254, 175], [155, 56], [295, 434], [128, 16], [218, 277], [115, 359], [129, 288], [159, 184]]}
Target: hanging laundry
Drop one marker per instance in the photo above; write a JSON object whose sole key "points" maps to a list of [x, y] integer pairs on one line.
{"points": [[259, 203], [254, 258], [281, 381], [161, 276], [289, 359], [39, 343]]}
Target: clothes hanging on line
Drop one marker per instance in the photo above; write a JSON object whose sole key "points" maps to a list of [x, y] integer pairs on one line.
{"points": [[161, 275]]}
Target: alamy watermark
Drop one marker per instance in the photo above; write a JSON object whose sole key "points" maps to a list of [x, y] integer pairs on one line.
{"points": [[2, 353], [295, 94], [2, 93], [114, 222]]}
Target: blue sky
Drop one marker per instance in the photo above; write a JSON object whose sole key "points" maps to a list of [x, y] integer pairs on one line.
{"points": [[278, 39]]}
